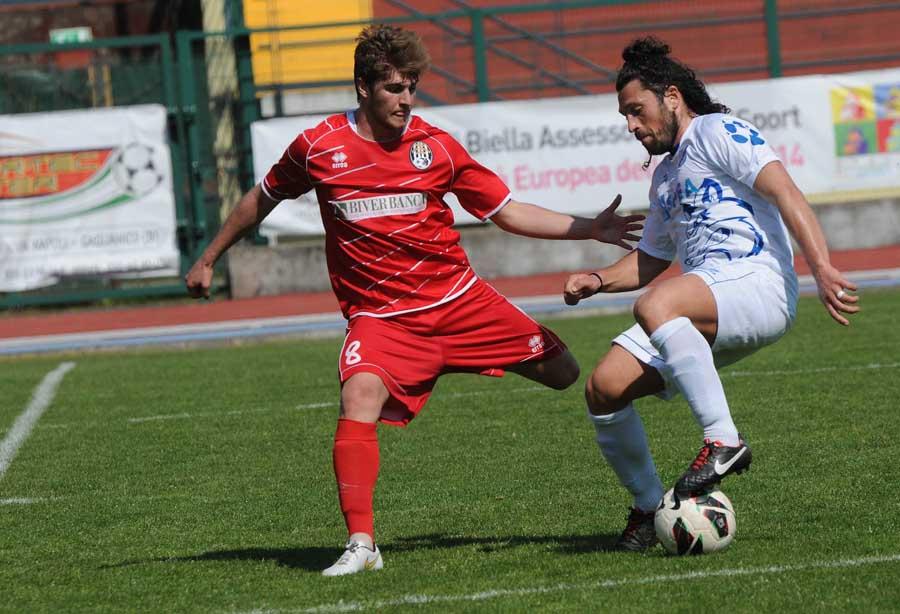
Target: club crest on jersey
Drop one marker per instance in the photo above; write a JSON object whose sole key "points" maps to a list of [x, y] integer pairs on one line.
{"points": [[420, 155]]}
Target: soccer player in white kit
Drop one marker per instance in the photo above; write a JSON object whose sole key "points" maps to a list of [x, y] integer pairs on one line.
{"points": [[721, 203]]}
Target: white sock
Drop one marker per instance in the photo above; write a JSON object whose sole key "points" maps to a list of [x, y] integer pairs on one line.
{"points": [[623, 442], [690, 362]]}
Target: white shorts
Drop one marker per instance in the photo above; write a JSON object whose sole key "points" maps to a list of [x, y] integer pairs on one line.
{"points": [[756, 308]]}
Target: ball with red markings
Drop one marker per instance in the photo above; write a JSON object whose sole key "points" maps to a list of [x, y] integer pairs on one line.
{"points": [[695, 525]]}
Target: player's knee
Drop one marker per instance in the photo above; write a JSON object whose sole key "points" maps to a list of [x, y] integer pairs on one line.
{"points": [[650, 312], [362, 397], [567, 372], [602, 395], [558, 373]]}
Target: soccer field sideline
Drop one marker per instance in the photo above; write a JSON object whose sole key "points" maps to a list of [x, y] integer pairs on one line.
{"points": [[45, 391], [727, 374], [333, 323], [421, 600]]}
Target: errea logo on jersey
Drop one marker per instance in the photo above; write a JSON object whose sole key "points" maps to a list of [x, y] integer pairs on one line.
{"points": [[536, 344], [339, 160], [420, 155]]}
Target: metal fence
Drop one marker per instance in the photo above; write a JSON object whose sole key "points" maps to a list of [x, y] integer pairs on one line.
{"points": [[206, 80]]}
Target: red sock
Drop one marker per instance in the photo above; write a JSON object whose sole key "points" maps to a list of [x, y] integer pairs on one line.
{"points": [[356, 458]]}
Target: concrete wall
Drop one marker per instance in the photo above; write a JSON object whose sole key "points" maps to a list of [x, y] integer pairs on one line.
{"points": [[301, 266]]}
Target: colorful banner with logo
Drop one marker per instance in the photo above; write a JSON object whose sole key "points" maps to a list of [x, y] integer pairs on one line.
{"points": [[838, 136], [85, 193]]}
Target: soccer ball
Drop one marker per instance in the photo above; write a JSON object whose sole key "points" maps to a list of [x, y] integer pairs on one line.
{"points": [[135, 169], [695, 525]]}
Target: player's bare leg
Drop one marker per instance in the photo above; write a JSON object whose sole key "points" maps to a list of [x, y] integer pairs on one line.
{"points": [[356, 460], [617, 380], [362, 397], [558, 372], [681, 318]]}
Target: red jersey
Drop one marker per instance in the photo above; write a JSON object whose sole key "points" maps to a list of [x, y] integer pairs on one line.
{"points": [[389, 237]]}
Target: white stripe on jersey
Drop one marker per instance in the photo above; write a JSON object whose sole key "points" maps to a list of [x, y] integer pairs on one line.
{"points": [[352, 170], [502, 204], [450, 291], [322, 153], [409, 270], [382, 257], [369, 234], [446, 299], [413, 180], [413, 268], [349, 194], [288, 151], [313, 144], [421, 285]]}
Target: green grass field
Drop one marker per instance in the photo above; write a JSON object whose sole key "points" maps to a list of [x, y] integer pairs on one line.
{"points": [[201, 480]]}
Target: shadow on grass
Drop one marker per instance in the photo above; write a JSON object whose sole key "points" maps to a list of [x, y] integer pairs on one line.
{"points": [[563, 544], [317, 558]]}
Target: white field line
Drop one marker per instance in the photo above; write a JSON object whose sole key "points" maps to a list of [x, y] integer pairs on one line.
{"points": [[237, 412], [217, 414], [358, 606], [472, 393], [40, 401], [872, 366], [21, 501]]}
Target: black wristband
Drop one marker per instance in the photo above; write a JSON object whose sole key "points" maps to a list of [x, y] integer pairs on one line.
{"points": [[597, 275]]}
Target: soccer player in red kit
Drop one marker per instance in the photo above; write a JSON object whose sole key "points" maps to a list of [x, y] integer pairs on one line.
{"points": [[415, 308]]}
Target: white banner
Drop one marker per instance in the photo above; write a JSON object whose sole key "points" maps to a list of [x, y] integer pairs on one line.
{"points": [[85, 193], [838, 136]]}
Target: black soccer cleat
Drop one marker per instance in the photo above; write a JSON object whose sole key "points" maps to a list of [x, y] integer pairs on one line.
{"points": [[713, 463], [639, 534]]}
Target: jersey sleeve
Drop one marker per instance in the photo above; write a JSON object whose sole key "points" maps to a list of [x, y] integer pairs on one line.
{"points": [[737, 148], [655, 241], [479, 190], [288, 178]]}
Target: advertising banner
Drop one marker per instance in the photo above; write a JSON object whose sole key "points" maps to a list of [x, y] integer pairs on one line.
{"points": [[85, 193], [838, 136]]}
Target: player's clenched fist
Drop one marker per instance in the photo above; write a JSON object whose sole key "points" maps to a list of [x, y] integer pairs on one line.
{"points": [[198, 280], [581, 285]]}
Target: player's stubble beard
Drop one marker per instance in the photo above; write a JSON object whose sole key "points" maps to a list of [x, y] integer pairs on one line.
{"points": [[664, 142]]}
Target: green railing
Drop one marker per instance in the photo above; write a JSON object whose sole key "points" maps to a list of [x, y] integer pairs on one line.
{"points": [[206, 82], [123, 71]]}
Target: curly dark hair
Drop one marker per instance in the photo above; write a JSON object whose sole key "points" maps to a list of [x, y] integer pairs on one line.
{"points": [[647, 59], [381, 48]]}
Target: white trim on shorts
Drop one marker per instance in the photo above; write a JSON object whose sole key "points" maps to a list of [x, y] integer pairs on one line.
{"points": [[772, 297]]}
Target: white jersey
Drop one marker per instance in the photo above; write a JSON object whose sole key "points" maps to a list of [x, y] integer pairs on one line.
{"points": [[703, 208]]}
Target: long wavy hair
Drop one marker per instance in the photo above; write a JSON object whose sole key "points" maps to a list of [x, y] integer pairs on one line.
{"points": [[647, 59]]}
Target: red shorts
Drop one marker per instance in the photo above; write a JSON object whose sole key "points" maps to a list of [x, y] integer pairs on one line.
{"points": [[478, 332]]}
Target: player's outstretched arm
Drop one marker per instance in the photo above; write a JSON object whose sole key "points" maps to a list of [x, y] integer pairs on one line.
{"points": [[534, 221], [776, 185], [250, 211], [633, 271]]}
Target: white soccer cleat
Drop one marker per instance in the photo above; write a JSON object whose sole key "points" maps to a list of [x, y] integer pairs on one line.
{"points": [[356, 558]]}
